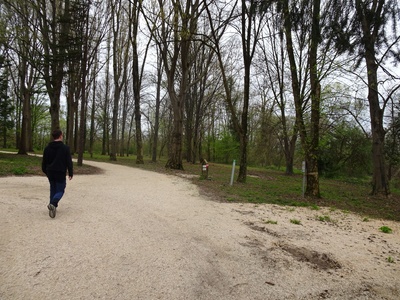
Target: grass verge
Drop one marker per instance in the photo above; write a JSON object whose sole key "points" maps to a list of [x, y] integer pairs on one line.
{"points": [[262, 185], [29, 165]]}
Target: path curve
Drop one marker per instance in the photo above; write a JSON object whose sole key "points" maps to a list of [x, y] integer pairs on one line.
{"points": [[134, 234]]}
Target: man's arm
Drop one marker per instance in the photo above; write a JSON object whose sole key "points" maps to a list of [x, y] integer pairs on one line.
{"points": [[44, 162], [69, 164]]}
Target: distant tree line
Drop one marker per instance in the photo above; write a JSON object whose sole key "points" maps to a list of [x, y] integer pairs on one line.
{"points": [[264, 82]]}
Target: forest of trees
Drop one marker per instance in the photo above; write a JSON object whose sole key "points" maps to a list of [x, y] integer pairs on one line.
{"points": [[264, 82]]}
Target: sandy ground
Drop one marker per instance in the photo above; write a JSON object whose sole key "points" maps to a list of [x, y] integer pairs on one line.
{"points": [[132, 234]]}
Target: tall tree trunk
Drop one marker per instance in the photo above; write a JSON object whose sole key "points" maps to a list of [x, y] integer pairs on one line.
{"points": [[105, 139], [137, 79], [312, 154], [138, 127], [123, 122], [175, 150], [84, 70], [31, 84], [25, 96], [157, 116], [114, 130], [370, 28], [93, 111], [75, 143], [380, 183], [309, 142], [125, 101], [71, 106], [120, 52], [248, 46], [182, 39], [289, 136]]}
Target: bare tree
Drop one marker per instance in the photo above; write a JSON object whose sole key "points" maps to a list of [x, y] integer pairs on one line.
{"points": [[249, 28], [178, 26], [153, 21], [27, 76], [54, 25], [135, 9], [106, 104], [157, 109], [273, 66], [21, 51], [199, 97], [369, 29], [85, 8], [120, 55]]}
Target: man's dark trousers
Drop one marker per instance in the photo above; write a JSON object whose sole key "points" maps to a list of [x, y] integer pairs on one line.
{"points": [[57, 187]]}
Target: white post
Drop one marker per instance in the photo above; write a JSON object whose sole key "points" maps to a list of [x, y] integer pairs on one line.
{"points": [[233, 171]]}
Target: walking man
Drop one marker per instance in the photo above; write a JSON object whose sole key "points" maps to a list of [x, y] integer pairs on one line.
{"points": [[56, 161]]}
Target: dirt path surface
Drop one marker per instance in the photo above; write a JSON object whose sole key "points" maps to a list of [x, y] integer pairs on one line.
{"points": [[133, 234]]}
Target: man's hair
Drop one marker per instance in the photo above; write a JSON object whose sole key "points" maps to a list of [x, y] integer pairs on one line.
{"points": [[56, 134]]}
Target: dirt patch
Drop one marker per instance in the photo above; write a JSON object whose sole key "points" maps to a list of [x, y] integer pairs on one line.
{"points": [[321, 261], [262, 229]]}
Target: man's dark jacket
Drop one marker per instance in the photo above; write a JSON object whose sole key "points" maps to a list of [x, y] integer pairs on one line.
{"points": [[57, 160]]}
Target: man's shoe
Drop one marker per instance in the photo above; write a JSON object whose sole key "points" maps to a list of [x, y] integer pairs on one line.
{"points": [[52, 210]]}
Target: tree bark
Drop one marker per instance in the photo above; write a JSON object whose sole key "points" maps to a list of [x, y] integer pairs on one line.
{"points": [[312, 152], [380, 183], [26, 111], [71, 105], [25, 94], [370, 28], [93, 111], [183, 27], [84, 93], [135, 11], [309, 141], [120, 52], [105, 140], [157, 116]]}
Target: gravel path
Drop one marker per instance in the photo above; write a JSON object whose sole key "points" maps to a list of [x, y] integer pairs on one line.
{"points": [[133, 234]]}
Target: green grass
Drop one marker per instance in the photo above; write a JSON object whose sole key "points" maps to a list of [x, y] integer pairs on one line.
{"points": [[262, 185], [385, 229], [326, 219], [11, 164], [27, 165], [270, 222], [295, 221]]}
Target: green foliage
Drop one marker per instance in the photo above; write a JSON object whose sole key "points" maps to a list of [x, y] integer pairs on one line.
{"points": [[226, 148], [392, 142], [345, 151], [12, 164], [385, 229], [266, 146], [326, 219], [295, 221], [20, 170], [392, 150], [6, 105], [270, 222], [315, 207], [41, 119]]}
